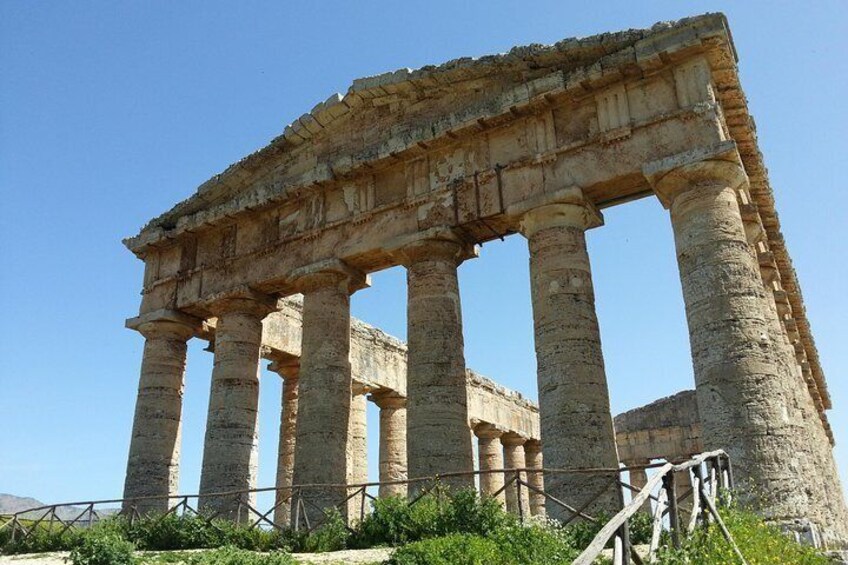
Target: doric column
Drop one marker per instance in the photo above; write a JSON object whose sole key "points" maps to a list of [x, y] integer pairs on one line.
{"points": [[153, 465], [325, 385], [491, 455], [814, 450], [744, 398], [392, 441], [357, 448], [230, 448], [289, 370], [438, 437], [533, 460], [638, 480], [574, 408], [513, 446]]}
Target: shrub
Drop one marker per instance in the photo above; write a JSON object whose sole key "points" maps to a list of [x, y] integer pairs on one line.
{"points": [[759, 542], [581, 532], [393, 521], [535, 543], [103, 549], [332, 535], [44, 539], [455, 549], [641, 528]]}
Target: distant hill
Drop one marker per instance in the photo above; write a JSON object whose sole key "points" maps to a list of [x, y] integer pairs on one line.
{"points": [[10, 504]]}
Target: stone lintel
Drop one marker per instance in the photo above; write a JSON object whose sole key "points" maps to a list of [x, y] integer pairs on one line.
{"points": [[172, 321], [325, 273], [436, 242], [672, 174]]}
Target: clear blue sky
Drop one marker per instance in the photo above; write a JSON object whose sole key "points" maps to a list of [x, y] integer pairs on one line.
{"points": [[111, 112]]}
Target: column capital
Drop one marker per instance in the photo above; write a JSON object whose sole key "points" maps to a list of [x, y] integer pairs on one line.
{"points": [[358, 388], [567, 207], [433, 244], [582, 216], [166, 323], [385, 398], [327, 273], [287, 366], [487, 431], [241, 300], [674, 175], [533, 446], [512, 439]]}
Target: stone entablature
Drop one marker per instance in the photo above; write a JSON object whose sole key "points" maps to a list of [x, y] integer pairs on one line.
{"points": [[668, 428], [414, 169]]}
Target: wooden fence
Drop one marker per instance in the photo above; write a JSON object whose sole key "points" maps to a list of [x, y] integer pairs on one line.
{"points": [[709, 473]]}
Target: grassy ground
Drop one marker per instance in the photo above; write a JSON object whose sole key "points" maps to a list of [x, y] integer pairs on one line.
{"points": [[438, 530]]}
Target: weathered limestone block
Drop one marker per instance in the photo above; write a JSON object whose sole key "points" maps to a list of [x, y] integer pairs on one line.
{"points": [[325, 386], [517, 500], [438, 437], [533, 460], [392, 442], [744, 398], [576, 424], [285, 453], [154, 457], [230, 449], [668, 428], [490, 452]]}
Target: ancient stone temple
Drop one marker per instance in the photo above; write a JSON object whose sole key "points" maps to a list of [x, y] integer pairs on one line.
{"points": [[415, 169]]}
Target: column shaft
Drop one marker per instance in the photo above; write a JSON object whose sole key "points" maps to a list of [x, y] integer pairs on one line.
{"points": [[813, 449], [576, 424], [514, 459], [438, 438], [324, 402], [357, 452], [490, 453], [230, 449], [153, 462], [392, 443], [533, 460], [744, 397], [285, 452]]}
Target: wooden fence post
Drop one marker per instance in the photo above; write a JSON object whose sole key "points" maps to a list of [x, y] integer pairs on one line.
{"points": [[673, 512]]}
